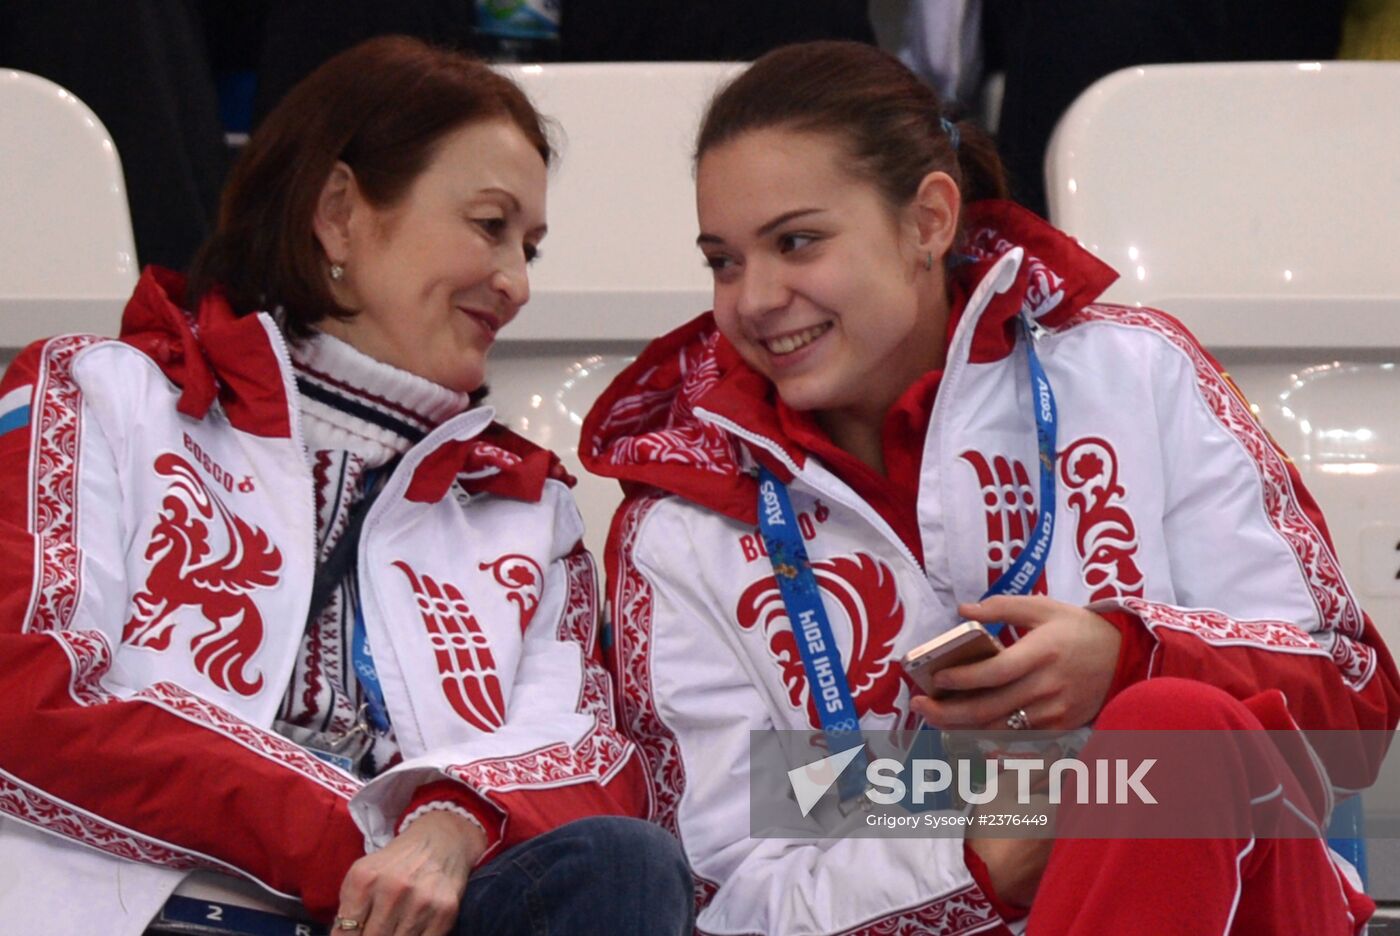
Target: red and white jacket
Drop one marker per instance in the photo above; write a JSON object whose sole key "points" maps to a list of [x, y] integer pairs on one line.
{"points": [[157, 552], [1178, 518]]}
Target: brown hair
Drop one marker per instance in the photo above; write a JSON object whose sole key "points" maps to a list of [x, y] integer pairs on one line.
{"points": [[891, 122], [381, 108]]}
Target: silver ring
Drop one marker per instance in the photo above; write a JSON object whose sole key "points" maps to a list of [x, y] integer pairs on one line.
{"points": [[346, 924], [1018, 720]]}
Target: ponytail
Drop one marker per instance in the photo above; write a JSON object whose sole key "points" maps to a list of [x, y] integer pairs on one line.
{"points": [[981, 174]]}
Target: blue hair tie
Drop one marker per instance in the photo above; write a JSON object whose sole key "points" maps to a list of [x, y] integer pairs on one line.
{"points": [[950, 128]]}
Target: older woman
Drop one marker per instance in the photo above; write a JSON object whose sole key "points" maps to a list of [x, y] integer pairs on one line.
{"points": [[277, 596]]}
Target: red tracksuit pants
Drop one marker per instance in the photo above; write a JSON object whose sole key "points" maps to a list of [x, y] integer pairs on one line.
{"points": [[1164, 886]]}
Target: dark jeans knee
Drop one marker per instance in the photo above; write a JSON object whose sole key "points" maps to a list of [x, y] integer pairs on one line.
{"points": [[602, 875], [633, 849]]}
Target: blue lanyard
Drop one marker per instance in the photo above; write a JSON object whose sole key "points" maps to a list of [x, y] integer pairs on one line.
{"points": [[821, 655], [360, 656], [365, 672], [1021, 576]]}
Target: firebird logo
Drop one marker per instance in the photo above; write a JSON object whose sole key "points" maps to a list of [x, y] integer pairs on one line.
{"points": [[186, 573], [865, 590], [461, 650], [1105, 536]]}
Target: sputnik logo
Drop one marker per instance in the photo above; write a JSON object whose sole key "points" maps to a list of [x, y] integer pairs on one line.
{"points": [[811, 781]]}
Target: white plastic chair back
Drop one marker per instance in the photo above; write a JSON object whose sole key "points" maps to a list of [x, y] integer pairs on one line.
{"points": [[1245, 198], [67, 259], [620, 265]]}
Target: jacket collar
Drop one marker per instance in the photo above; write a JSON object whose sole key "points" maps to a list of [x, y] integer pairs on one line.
{"points": [[484, 457], [210, 355], [1054, 277]]}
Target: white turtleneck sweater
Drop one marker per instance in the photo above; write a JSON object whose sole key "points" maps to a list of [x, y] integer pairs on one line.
{"points": [[358, 415]]}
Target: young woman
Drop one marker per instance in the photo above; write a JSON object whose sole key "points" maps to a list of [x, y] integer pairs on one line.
{"points": [[278, 601], [891, 345]]}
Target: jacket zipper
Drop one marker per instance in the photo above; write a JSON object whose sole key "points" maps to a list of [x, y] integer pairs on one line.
{"points": [[289, 386]]}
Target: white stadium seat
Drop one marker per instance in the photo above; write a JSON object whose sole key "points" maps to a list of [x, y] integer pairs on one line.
{"points": [[1246, 198], [620, 265], [67, 259]]}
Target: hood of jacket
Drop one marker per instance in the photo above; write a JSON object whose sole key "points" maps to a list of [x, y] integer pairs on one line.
{"points": [[213, 354], [653, 427]]}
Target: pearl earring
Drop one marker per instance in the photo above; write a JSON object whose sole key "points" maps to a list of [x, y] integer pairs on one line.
{"points": [[337, 272]]}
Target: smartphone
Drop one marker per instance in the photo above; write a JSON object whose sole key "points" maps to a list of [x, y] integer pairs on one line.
{"points": [[966, 643]]}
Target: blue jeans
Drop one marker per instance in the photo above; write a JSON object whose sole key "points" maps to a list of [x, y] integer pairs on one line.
{"points": [[602, 876]]}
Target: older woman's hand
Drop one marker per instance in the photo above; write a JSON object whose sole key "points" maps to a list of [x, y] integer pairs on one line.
{"points": [[413, 886], [1059, 673], [1014, 866]]}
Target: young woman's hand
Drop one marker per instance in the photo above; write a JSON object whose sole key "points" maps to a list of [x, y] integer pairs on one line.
{"points": [[1058, 674], [412, 886]]}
